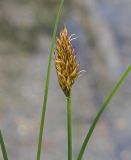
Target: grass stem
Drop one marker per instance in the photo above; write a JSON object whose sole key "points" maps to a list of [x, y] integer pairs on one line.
{"points": [[69, 128]]}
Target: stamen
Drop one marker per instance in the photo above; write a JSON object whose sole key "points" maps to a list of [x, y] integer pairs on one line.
{"points": [[80, 73], [73, 38]]}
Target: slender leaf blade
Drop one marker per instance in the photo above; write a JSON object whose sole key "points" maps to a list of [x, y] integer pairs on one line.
{"points": [[3, 148], [47, 81], [87, 138]]}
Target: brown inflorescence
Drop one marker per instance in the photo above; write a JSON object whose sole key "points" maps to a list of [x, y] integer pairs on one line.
{"points": [[67, 67]]}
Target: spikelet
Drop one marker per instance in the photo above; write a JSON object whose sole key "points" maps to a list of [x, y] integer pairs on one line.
{"points": [[67, 67]]}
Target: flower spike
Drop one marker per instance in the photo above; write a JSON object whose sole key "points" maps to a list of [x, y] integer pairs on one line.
{"points": [[67, 67]]}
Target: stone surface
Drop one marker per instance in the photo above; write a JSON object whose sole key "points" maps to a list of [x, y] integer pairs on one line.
{"points": [[25, 37]]}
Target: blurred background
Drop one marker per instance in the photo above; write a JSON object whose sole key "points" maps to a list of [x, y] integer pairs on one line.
{"points": [[103, 48]]}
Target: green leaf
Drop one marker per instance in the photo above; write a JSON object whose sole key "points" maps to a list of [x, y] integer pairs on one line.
{"points": [[47, 81], [3, 148], [87, 138]]}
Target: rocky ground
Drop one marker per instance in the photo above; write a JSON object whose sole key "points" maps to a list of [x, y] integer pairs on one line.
{"points": [[103, 48]]}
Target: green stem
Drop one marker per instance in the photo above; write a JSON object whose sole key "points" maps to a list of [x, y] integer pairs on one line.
{"points": [[69, 128], [86, 140], [3, 148], [47, 81]]}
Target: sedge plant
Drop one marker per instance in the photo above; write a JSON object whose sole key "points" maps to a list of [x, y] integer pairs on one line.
{"points": [[67, 68]]}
